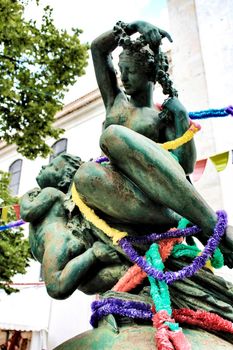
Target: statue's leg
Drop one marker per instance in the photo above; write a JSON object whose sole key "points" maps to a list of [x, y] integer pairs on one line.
{"points": [[157, 174], [107, 189]]}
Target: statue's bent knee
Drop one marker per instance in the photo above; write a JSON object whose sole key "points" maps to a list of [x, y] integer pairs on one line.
{"points": [[88, 178], [112, 138]]}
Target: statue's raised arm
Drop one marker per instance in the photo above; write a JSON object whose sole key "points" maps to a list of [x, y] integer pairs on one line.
{"points": [[103, 46]]}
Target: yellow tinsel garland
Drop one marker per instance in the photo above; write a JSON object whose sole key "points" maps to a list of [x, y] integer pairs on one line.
{"points": [[186, 137], [90, 215]]}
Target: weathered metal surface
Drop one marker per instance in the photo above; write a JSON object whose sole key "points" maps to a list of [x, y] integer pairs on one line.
{"points": [[143, 188], [138, 338]]}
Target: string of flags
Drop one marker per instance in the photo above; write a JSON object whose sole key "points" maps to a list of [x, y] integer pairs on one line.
{"points": [[5, 210], [220, 162]]}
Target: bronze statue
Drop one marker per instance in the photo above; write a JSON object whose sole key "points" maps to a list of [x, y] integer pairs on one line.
{"points": [[143, 184], [143, 188]]}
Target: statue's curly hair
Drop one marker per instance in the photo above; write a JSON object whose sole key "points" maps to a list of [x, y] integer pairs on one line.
{"points": [[73, 161], [154, 62]]}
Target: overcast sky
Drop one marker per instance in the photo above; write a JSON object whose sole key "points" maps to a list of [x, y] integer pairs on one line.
{"points": [[96, 17]]}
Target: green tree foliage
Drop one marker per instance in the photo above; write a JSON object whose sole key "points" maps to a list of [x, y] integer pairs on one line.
{"points": [[37, 64], [14, 248]]}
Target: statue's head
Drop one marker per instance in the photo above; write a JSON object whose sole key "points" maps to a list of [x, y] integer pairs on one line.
{"points": [[140, 58], [136, 70], [59, 172], [144, 64]]}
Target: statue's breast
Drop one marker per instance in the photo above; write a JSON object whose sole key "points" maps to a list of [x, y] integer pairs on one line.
{"points": [[143, 120]]}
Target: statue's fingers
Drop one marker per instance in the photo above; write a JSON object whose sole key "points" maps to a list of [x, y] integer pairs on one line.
{"points": [[156, 37], [165, 34]]}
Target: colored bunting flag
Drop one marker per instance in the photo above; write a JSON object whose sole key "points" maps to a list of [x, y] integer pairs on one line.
{"points": [[199, 169], [220, 161], [17, 211], [4, 212]]}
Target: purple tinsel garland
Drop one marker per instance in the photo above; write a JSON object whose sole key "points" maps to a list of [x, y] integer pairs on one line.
{"points": [[102, 159], [133, 309], [152, 237], [187, 271], [229, 110]]}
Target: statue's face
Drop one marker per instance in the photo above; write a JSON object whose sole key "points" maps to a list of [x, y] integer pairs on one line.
{"points": [[134, 77], [50, 175]]}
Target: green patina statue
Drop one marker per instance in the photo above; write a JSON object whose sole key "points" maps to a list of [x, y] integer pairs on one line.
{"points": [[82, 260], [143, 188]]}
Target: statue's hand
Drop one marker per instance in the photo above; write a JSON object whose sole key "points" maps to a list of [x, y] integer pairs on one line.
{"points": [[152, 34], [173, 109], [34, 192], [105, 253], [173, 105]]}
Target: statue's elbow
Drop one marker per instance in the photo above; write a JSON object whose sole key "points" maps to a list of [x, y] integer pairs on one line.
{"points": [[94, 47], [57, 293], [56, 287]]}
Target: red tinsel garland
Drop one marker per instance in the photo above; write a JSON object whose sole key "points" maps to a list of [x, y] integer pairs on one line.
{"points": [[166, 246], [135, 275], [166, 339], [203, 319]]}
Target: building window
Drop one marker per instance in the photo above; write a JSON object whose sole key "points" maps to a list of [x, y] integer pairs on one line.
{"points": [[58, 148], [12, 339], [15, 171]]}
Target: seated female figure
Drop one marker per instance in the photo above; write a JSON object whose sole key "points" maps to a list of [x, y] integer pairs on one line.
{"points": [[143, 184]]}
